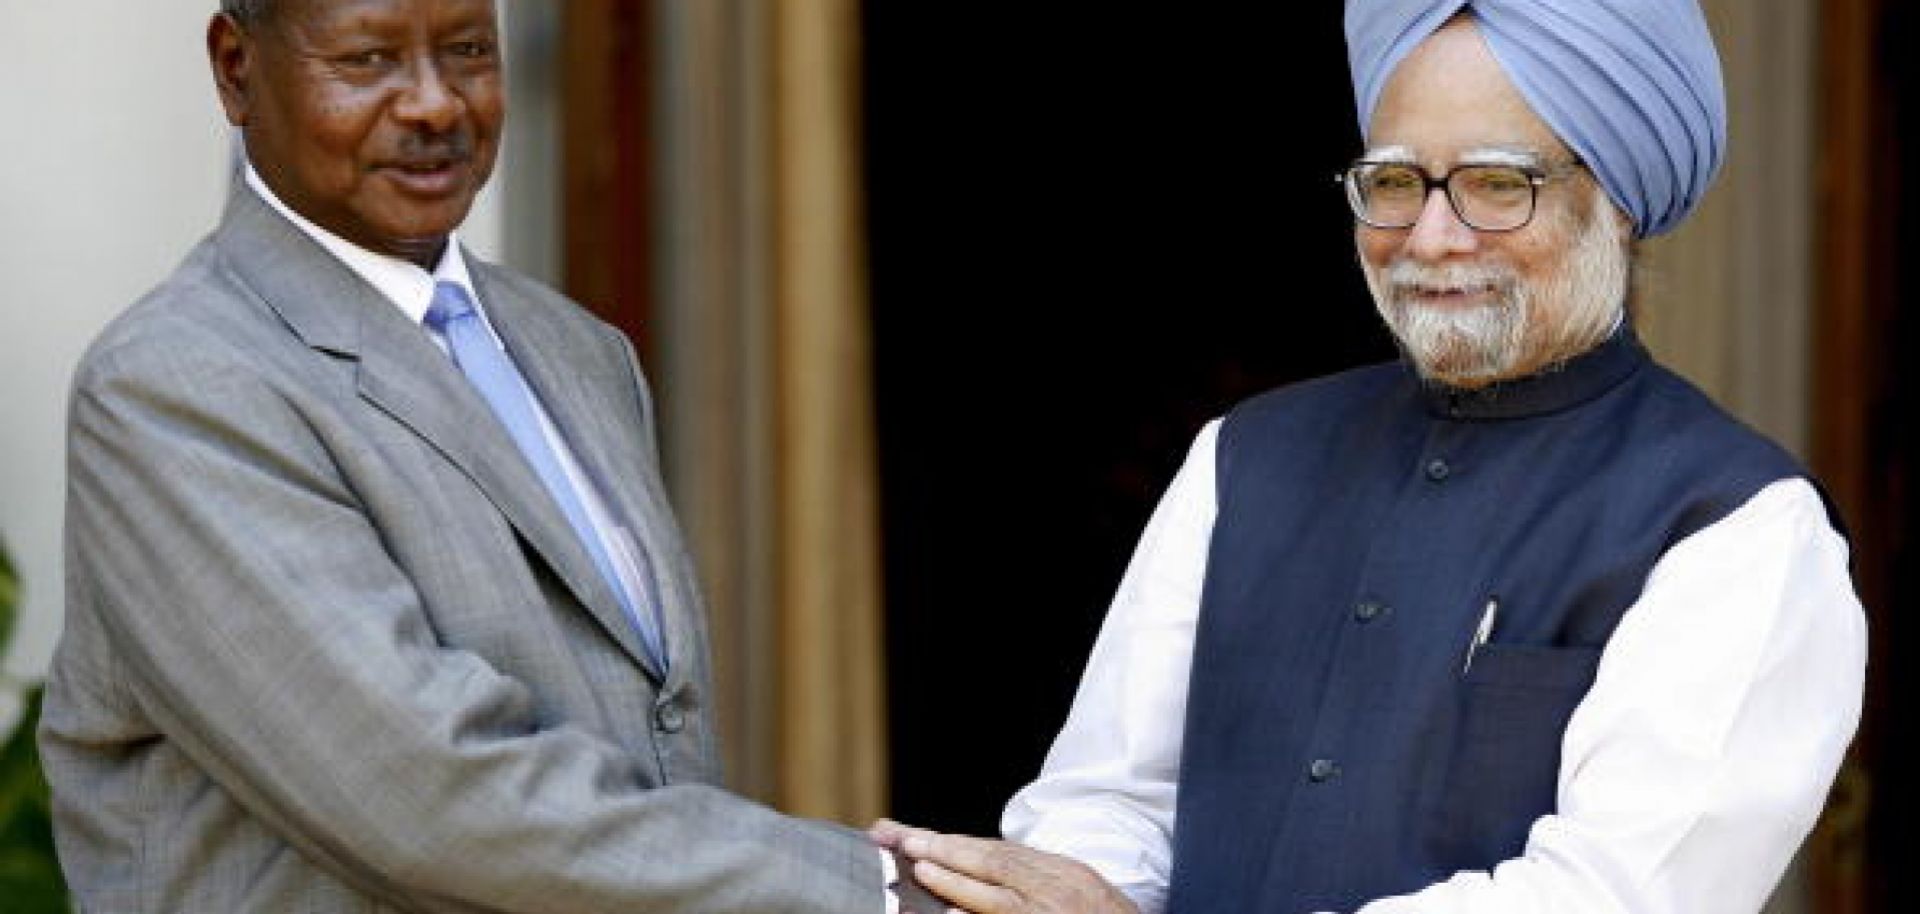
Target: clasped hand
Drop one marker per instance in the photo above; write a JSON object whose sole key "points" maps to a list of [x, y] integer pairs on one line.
{"points": [[982, 876]]}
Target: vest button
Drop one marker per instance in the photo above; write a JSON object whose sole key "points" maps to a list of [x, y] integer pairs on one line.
{"points": [[1322, 770], [1438, 470], [669, 718], [1368, 610]]}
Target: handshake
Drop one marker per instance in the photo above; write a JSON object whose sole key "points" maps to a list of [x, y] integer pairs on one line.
{"points": [[941, 873]]}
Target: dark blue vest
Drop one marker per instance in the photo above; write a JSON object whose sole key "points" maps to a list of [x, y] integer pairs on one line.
{"points": [[1335, 750]]}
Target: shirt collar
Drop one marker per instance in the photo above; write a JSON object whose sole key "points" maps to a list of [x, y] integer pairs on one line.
{"points": [[1564, 386], [405, 284]]}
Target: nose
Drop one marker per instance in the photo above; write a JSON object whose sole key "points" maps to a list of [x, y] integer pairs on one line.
{"points": [[1439, 233], [427, 100]]}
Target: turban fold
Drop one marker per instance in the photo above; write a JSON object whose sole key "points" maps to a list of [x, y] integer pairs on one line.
{"points": [[1631, 86]]}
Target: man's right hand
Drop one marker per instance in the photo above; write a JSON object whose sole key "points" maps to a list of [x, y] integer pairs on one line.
{"points": [[984, 876]]}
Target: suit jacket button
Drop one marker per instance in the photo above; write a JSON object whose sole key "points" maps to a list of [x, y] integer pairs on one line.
{"points": [[1322, 770], [669, 718], [1438, 470]]}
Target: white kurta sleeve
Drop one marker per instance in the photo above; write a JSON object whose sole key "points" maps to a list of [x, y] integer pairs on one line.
{"points": [[1106, 793], [1703, 754]]}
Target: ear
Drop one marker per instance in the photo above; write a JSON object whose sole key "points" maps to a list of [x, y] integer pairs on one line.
{"points": [[1603, 202], [230, 51], [1624, 224]]}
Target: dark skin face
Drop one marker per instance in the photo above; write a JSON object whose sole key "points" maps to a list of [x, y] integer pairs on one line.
{"points": [[379, 120]]}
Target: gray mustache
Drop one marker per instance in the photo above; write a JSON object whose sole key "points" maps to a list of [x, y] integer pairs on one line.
{"points": [[420, 149]]}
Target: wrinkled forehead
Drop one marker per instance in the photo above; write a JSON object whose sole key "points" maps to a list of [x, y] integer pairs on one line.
{"points": [[319, 17]]}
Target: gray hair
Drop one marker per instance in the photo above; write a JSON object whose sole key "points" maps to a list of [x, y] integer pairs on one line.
{"points": [[248, 12]]}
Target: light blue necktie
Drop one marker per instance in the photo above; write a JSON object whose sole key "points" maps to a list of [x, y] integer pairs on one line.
{"points": [[499, 382]]}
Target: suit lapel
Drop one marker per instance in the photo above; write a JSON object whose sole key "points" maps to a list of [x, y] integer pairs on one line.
{"points": [[580, 379], [418, 394], [401, 373]]}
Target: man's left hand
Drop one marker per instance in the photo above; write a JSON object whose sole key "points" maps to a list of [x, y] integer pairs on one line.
{"points": [[997, 877]]}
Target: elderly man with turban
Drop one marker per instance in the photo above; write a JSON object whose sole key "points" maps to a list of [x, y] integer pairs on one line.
{"points": [[1519, 623]]}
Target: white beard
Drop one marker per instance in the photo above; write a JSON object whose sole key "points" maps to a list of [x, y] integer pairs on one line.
{"points": [[1523, 329]]}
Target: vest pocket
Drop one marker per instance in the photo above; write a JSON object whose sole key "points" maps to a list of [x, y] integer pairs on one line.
{"points": [[1523, 666], [1504, 762]]}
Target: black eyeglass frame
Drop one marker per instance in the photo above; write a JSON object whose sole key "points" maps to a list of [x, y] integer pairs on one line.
{"points": [[1537, 176]]}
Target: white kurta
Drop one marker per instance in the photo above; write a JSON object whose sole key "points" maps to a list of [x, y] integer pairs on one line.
{"points": [[1689, 774]]}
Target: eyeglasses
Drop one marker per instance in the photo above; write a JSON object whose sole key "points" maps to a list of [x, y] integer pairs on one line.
{"points": [[1488, 198]]}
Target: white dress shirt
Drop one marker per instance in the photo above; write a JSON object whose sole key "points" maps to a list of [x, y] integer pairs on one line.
{"points": [[1689, 773]]}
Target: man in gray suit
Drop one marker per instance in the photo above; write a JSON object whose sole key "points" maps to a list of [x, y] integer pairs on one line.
{"points": [[375, 600]]}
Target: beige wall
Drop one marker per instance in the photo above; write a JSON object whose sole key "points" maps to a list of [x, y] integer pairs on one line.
{"points": [[1728, 297], [115, 161]]}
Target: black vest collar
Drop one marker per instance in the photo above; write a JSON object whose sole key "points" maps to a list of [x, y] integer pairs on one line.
{"points": [[1567, 385]]}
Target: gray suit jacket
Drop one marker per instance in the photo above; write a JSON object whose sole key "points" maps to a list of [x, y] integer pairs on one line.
{"points": [[331, 647]]}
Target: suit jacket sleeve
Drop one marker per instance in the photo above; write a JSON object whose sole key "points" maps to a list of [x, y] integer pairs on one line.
{"points": [[258, 621]]}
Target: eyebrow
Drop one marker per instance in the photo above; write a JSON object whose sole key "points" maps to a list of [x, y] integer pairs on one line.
{"points": [[1524, 156], [1502, 155], [1398, 155]]}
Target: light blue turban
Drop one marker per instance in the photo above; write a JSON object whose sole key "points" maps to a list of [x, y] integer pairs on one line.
{"points": [[1632, 86]]}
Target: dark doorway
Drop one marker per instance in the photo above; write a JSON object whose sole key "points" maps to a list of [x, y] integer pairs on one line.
{"points": [[1091, 232], [1866, 413], [1893, 513]]}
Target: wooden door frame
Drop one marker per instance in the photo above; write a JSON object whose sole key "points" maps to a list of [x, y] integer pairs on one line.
{"points": [[1853, 369], [608, 161]]}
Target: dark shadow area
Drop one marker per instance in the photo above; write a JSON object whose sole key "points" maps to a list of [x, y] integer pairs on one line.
{"points": [[1090, 234], [1894, 800]]}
